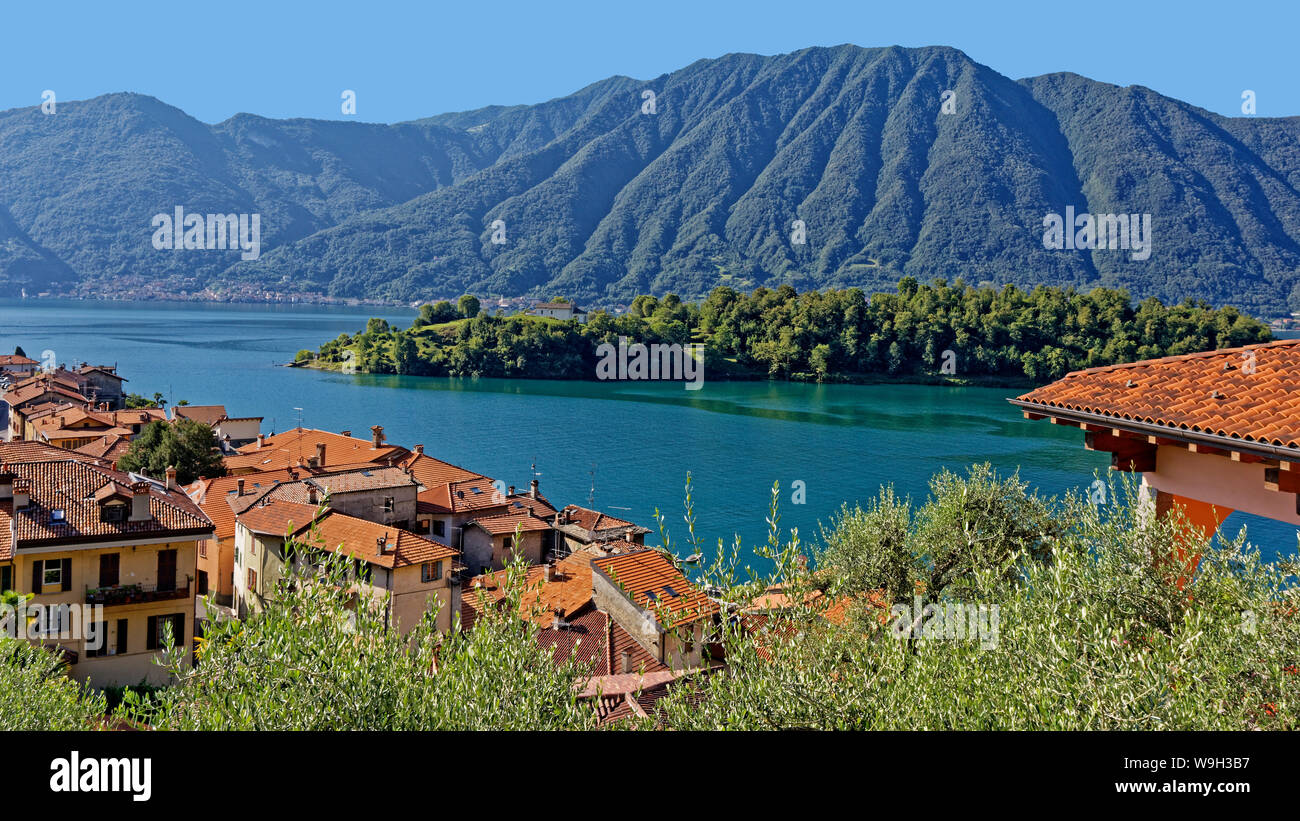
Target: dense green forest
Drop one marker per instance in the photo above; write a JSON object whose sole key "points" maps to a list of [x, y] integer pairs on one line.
{"points": [[940, 330], [823, 168]]}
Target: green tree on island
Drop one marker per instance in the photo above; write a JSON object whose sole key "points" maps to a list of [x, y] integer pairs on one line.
{"points": [[468, 306]]}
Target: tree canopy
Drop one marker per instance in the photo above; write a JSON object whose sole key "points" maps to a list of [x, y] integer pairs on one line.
{"points": [[186, 444]]}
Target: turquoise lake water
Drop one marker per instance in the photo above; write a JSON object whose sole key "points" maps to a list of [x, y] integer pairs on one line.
{"points": [[640, 439]]}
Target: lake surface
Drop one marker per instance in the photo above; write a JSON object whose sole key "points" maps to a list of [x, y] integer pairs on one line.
{"points": [[639, 440]]}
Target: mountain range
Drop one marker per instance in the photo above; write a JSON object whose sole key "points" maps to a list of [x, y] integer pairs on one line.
{"points": [[885, 162]]}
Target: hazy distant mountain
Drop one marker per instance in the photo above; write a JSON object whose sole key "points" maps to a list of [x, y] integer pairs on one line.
{"points": [[601, 201]]}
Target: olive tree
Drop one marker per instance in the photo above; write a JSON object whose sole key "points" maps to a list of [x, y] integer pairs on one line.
{"points": [[322, 656]]}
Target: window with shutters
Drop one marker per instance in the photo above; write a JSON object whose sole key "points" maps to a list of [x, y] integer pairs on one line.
{"points": [[6, 578], [430, 572], [109, 566], [97, 640], [158, 626], [53, 573], [121, 637], [252, 580]]}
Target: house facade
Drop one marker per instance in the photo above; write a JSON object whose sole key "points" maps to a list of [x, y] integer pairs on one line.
{"points": [[412, 572], [110, 563]]}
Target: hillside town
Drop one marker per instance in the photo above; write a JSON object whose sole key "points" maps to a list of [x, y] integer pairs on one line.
{"points": [[160, 556]]}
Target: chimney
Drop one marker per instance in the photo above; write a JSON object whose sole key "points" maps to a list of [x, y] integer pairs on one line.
{"points": [[320, 454], [376, 436], [381, 542], [140, 502], [6, 485], [532, 489], [548, 571], [313, 462], [510, 491], [171, 477], [261, 440], [626, 659], [312, 497], [22, 492], [419, 450], [239, 487], [345, 433]]}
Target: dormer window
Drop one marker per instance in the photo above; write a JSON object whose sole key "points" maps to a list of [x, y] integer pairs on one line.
{"points": [[112, 513]]}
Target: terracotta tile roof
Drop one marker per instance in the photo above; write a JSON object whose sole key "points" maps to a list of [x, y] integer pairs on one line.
{"points": [[278, 518], [347, 534], [73, 486], [1249, 394], [139, 416], [370, 478], [432, 472], [506, 524], [216, 496], [593, 637], [567, 593], [15, 359], [588, 634], [654, 583], [24, 451], [110, 447], [539, 507], [24, 393], [286, 449], [209, 415], [620, 683], [466, 495], [594, 520], [6, 529]]}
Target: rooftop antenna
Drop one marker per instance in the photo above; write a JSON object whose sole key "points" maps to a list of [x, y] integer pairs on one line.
{"points": [[299, 441], [591, 497]]}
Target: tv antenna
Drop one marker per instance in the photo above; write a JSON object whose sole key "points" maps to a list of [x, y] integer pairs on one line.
{"points": [[591, 497], [299, 443]]}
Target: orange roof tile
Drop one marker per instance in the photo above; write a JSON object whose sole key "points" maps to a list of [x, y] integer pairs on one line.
{"points": [[596, 522], [565, 594], [347, 534], [73, 487], [1249, 394], [288, 448], [654, 583], [432, 472], [505, 524], [6, 529], [24, 451], [209, 415]]}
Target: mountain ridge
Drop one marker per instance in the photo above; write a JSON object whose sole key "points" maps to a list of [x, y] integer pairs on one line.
{"points": [[601, 201]]}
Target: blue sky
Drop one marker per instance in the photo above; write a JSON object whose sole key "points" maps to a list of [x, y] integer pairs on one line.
{"points": [[408, 60]]}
